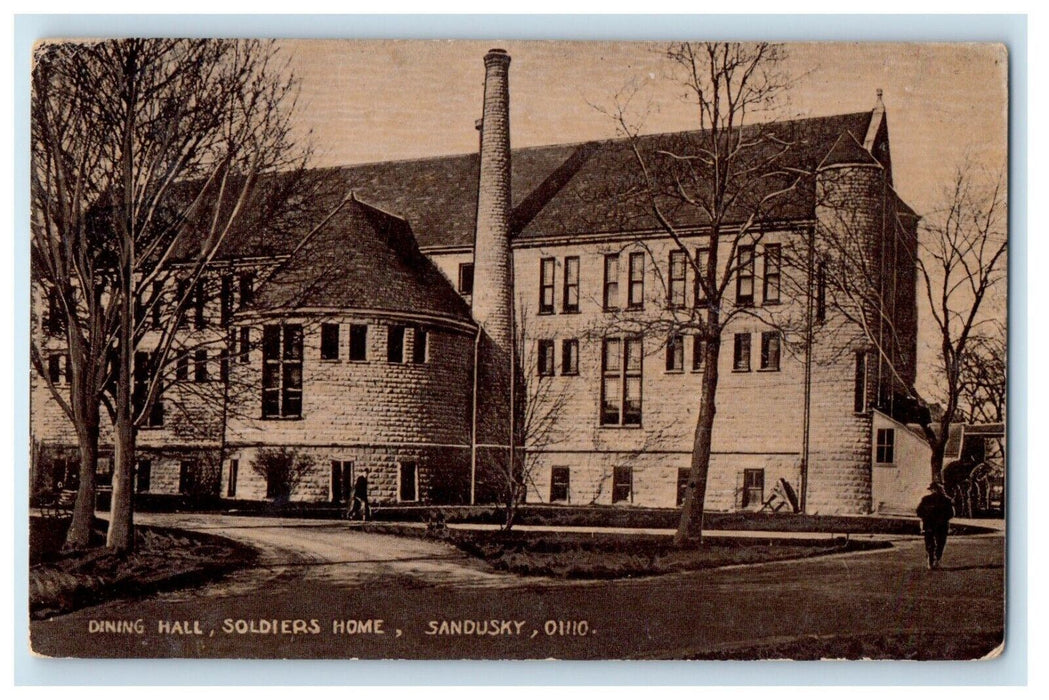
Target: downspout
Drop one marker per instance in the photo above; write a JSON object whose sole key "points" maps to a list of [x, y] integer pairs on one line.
{"points": [[473, 421], [806, 414]]}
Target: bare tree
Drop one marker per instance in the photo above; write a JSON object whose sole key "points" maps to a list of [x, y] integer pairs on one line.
{"points": [[184, 131], [961, 264], [72, 267], [725, 180], [541, 399], [982, 378]]}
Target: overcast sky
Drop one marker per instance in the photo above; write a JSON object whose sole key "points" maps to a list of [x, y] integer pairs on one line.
{"points": [[371, 101]]}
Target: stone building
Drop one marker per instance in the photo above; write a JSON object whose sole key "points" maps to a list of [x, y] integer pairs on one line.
{"points": [[456, 308]]}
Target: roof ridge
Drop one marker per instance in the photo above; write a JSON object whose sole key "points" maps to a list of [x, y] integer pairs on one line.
{"points": [[576, 144]]}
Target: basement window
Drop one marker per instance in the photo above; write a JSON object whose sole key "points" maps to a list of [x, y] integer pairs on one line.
{"points": [[622, 485], [559, 484], [408, 482]]}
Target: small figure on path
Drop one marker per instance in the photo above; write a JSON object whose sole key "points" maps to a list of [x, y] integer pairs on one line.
{"points": [[935, 511], [360, 510]]}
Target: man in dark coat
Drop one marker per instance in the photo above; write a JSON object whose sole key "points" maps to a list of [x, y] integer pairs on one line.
{"points": [[935, 511]]}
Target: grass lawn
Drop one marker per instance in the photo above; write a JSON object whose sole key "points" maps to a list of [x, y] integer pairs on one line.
{"points": [[605, 556], [60, 582], [613, 516]]}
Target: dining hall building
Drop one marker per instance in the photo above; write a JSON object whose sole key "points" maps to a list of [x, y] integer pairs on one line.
{"points": [[436, 315]]}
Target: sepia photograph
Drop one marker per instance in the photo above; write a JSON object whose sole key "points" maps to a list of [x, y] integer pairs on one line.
{"points": [[418, 349]]}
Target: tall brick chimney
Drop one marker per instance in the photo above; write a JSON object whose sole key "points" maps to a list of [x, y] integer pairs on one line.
{"points": [[496, 376], [493, 265]]}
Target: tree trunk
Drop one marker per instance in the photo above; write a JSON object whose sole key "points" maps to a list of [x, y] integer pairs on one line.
{"points": [[121, 535], [936, 459], [690, 526], [79, 534]]}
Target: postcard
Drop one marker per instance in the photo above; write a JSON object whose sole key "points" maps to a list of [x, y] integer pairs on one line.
{"points": [[517, 349]]}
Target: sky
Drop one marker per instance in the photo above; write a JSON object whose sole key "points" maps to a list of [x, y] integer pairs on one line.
{"points": [[946, 104]]}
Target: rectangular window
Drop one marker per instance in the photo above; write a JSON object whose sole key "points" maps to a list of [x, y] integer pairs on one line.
{"points": [[224, 364], [570, 300], [745, 275], [395, 344], [200, 366], [753, 487], [821, 292], [546, 358], [156, 414], [683, 474], [622, 484], [419, 348], [741, 353], [56, 319], [104, 472], [859, 398], [59, 369], [466, 278], [231, 485], [699, 351], [621, 373], [632, 382], [570, 356], [885, 446], [699, 291], [247, 288], [358, 342], [559, 484], [546, 285], [226, 300], [636, 291], [141, 374], [409, 486], [187, 477], [181, 300], [143, 472], [157, 304], [770, 350], [282, 371], [676, 286], [676, 353], [182, 367], [611, 294], [200, 302], [773, 261], [244, 351], [329, 341]]}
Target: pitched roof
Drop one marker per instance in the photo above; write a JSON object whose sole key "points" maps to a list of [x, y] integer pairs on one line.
{"points": [[848, 151], [591, 187], [360, 257]]}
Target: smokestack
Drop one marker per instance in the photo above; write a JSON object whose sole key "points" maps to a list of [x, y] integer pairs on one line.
{"points": [[493, 265]]}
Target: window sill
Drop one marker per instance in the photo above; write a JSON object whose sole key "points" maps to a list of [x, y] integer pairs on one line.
{"points": [[545, 312], [768, 369], [741, 371], [330, 360], [616, 426], [570, 311], [569, 374], [674, 371], [696, 370], [771, 302], [610, 309], [281, 418], [358, 362], [635, 308], [886, 465]]}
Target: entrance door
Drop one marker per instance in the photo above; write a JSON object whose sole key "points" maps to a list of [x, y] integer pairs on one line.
{"points": [[341, 481]]}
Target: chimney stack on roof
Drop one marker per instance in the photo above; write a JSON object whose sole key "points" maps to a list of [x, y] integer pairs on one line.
{"points": [[493, 265]]}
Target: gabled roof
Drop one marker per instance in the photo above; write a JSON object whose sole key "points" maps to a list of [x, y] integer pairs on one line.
{"points": [[591, 187], [360, 257], [848, 151], [562, 190]]}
